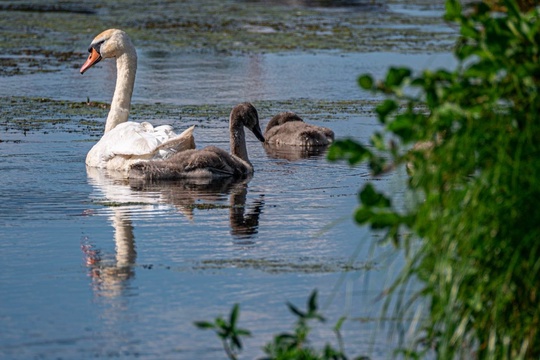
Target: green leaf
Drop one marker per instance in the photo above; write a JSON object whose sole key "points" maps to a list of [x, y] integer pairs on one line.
{"points": [[362, 215], [348, 150], [377, 165], [464, 50], [339, 323], [402, 126], [396, 76], [312, 302], [234, 315], [446, 75], [384, 220], [370, 198], [221, 323], [453, 9], [285, 341], [243, 332], [513, 9], [285, 336], [482, 8], [296, 311], [365, 82], [204, 325], [377, 140], [236, 341], [385, 108], [469, 31]]}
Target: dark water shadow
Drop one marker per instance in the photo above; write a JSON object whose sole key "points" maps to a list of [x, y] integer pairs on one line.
{"points": [[111, 275], [294, 153]]}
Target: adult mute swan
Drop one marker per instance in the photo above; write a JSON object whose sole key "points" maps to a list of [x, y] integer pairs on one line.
{"points": [[287, 128], [210, 162], [125, 142]]}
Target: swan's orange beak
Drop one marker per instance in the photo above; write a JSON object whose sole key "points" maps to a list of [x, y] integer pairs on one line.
{"points": [[93, 59]]}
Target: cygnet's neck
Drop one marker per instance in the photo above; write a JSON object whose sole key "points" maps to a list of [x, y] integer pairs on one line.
{"points": [[238, 140], [126, 67]]}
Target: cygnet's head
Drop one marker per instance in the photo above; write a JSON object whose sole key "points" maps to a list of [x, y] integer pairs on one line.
{"points": [[246, 114], [282, 118]]}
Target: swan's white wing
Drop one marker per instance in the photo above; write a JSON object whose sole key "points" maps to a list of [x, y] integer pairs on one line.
{"points": [[144, 141], [131, 139], [130, 142], [181, 142]]}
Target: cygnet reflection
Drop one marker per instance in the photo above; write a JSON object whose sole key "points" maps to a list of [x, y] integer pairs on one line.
{"points": [[294, 153]]}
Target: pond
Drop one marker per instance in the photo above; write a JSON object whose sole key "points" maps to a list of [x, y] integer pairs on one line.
{"points": [[95, 266]]}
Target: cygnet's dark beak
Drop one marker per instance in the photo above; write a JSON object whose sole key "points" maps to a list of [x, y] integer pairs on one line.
{"points": [[258, 133]]}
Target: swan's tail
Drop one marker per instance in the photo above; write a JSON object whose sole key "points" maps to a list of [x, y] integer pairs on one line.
{"points": [[182, 142]]}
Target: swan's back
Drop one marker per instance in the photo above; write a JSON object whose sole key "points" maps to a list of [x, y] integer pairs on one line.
{"points": [[131, 142], [287, 128]]}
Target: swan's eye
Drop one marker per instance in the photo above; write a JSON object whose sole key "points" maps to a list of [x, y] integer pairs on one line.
{"points": [[96, 46]]}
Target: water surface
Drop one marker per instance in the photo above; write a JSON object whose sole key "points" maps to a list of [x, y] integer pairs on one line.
{"points": [[93, 266], [97, 267], [186, 78]]}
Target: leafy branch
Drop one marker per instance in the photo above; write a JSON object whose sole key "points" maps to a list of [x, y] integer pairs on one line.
{"points": [[227, 331]]}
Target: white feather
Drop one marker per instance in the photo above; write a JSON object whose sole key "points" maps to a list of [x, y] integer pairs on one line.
{"points": [[131, 142]]}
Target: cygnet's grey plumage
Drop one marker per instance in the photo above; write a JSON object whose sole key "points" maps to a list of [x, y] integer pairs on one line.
{"points": [[211, 161], [287, 128]]}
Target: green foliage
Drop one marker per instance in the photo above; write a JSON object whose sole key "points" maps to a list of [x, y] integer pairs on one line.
{"points": [[470, 139], [350, 150], [288, 345], [227, 331], [292, 345]]}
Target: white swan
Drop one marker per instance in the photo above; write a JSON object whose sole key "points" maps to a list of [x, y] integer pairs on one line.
{"points": [[125, 143], [210, 162]]}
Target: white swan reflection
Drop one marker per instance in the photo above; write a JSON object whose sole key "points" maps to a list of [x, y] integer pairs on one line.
{"points": [[123, 198]]}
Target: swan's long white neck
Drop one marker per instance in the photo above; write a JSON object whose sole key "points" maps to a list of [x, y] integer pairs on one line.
{"points": [[126, 67]]}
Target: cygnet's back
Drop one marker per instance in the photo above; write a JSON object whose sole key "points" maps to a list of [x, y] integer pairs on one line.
{"points": [[287, 128], [209, 162]]}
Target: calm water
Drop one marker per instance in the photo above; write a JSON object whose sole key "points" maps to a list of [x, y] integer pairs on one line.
{"points": [[93, 266], [180, 78]]}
